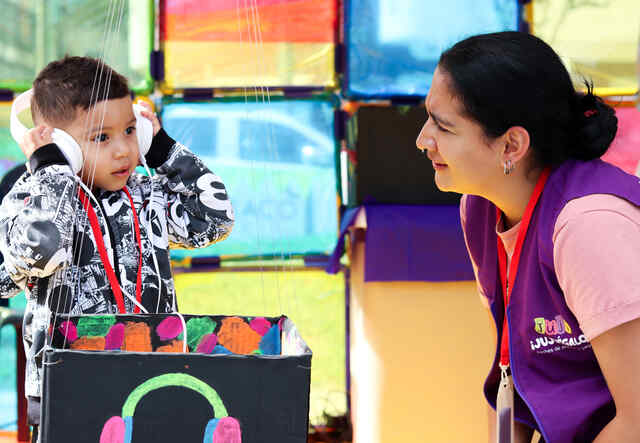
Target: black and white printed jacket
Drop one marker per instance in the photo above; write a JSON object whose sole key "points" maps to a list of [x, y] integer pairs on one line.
{"points": [[50, 251]]}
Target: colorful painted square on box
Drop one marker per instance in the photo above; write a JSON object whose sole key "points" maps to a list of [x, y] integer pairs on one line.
{"points": [[166, 333], [238, 44]]}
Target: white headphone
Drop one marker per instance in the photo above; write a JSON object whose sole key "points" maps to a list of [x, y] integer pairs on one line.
{"points": [[67, 144]]}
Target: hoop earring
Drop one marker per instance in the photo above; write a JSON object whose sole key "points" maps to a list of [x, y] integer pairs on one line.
{"points": [[508, 166]]}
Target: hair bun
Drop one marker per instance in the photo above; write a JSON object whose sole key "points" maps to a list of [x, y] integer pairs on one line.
{"points": [[595, 126]]}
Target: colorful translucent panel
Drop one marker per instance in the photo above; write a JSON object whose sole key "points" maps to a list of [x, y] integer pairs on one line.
{"points": [[597, 40], [10, 153], [313, 300], [8, 398], [39, 31], [624, 152], [393, 46], [278, 162], [228, 43]]}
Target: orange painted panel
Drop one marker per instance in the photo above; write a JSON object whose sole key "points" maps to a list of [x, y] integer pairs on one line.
{"points": [[312, 21]]}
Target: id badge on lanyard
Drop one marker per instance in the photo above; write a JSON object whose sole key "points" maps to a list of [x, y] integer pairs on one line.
{"points": [[504, 409], [505, 400]]}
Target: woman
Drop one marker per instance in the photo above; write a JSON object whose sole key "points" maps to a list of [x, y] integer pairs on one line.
{"points": [[549, 226]]}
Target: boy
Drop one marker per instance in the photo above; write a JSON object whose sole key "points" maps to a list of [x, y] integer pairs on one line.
{"points": [[74, 256]]}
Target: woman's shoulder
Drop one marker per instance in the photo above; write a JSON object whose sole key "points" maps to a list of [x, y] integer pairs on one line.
{"points": [[590, 231], [606, 208]]}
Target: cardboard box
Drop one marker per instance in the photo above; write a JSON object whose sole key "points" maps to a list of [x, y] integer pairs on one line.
{"points": [[125, 378]]}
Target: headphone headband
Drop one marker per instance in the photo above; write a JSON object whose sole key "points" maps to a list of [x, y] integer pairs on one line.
{"points": [[174, 379]]}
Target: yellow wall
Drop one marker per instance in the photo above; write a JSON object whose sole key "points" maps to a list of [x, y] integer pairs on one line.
{"points": [[419, 354]]}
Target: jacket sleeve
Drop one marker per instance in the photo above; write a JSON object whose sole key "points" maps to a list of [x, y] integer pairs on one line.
{"points": [[37, 218], [199, 211]]}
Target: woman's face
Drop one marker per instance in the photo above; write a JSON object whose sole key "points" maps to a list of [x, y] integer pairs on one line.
{"points": [[465, 161]]}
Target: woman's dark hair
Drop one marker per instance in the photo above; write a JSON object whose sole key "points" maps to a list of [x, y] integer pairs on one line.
{"points": [[510, 79]]}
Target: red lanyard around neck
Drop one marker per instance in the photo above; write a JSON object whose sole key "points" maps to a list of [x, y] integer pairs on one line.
{"points": [[515, 260], [102, 250]]}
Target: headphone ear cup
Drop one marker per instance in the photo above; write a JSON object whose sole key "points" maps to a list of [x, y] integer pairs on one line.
{"points": [[208, 431], [144, 132], [67, 144], [69, 148], [128, 429], [227, 431], [114, 431]]}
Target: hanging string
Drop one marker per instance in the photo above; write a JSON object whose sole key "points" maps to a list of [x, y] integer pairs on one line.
{"points": [[149, 214], [115, 9], [60, 277], [64, 277], [262, 96], [284, 240], [268, 173], [111, 30], [253, 161]]}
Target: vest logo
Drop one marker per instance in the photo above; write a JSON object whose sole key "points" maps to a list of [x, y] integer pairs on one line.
{"points": [[555, 335], [557, 326]]}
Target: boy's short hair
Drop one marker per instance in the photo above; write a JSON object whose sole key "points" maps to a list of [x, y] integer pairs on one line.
{"points": [[74, 82]]}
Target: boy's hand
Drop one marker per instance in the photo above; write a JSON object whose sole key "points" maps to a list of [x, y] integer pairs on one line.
{"points": [[148, 113], [35, 138]]}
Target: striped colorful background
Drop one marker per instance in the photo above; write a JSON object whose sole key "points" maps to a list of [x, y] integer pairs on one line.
{"points": [[240, 43]]}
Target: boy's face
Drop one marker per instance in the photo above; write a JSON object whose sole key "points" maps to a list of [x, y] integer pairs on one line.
{"points": [[107, 137]]}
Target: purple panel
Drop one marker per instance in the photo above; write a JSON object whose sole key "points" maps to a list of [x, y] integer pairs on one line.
{"points": [[410, 243], [348, 219], [415, 243]]}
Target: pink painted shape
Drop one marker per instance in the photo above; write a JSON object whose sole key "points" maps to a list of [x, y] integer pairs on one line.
{"points": [[624, 151], [261, 325], [169, 328], [207, 343], [69, 330], [113, 431], [281, 323], [115, 337], [227, 431]]}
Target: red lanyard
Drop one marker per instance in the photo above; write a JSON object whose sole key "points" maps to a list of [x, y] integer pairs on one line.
{"points": [[515, 260], [111, 275]]}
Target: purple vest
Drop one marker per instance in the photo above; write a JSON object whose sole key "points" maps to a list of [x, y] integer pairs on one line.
{"points": [[562, 392]]}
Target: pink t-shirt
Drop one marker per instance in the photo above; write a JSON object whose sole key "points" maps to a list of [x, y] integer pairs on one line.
{"points": [[596, 254]]}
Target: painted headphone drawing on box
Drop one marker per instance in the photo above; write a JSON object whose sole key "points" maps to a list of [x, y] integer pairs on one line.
{"points": [[220, 429]]}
